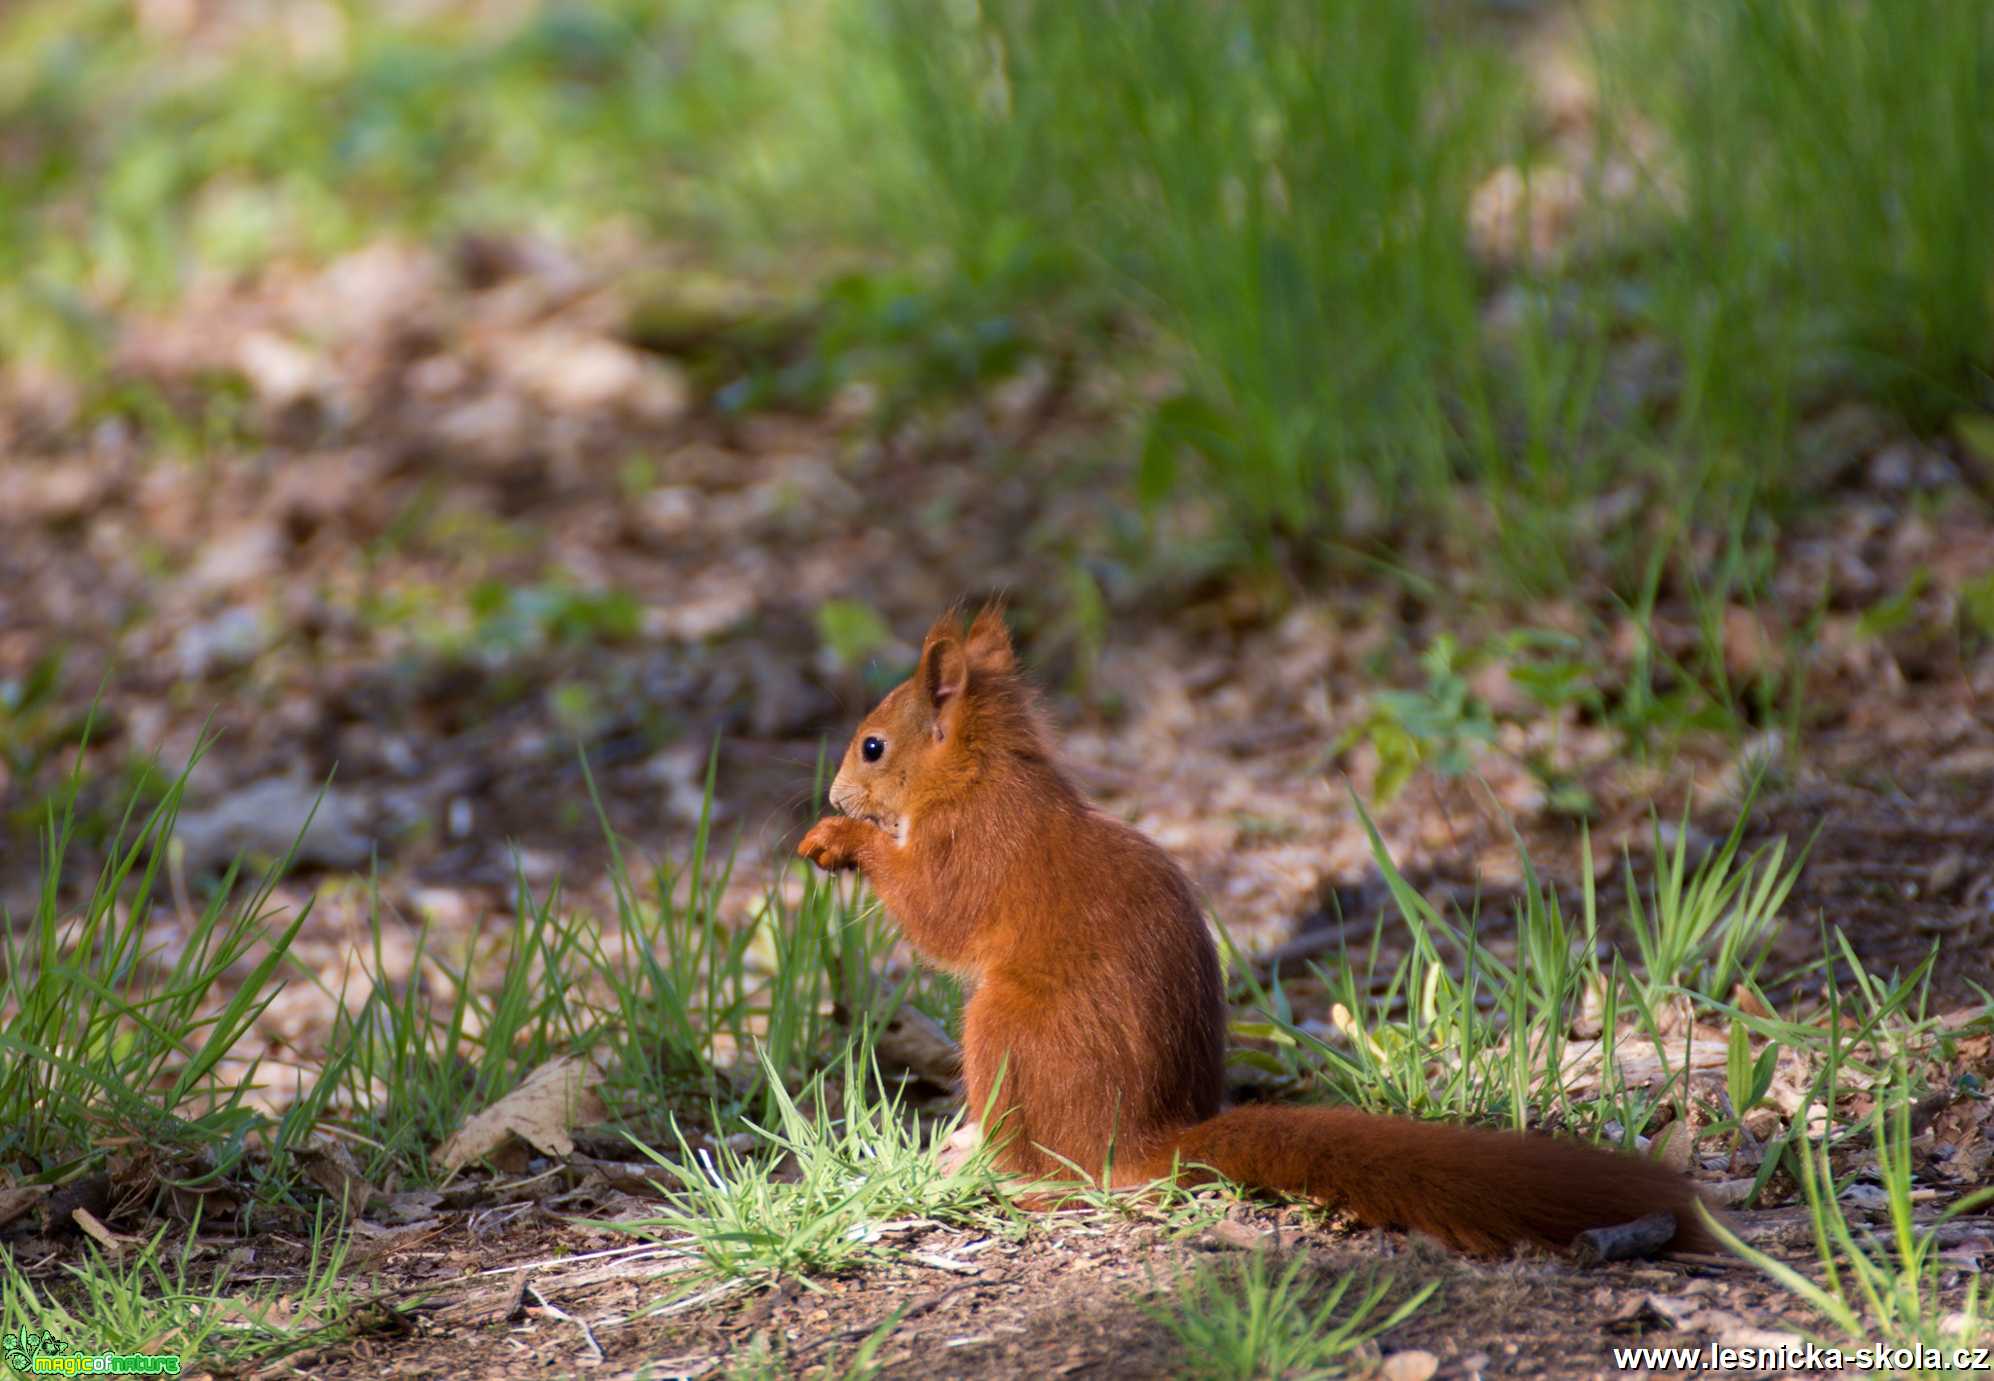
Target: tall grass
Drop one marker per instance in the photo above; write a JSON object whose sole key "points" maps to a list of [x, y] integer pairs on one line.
{"points": [[123, 1011], [1282, 190], [111, 1029], [1464, 1028], [691, 1015], [1825, 175], [1281, 187], [1275, 192]]}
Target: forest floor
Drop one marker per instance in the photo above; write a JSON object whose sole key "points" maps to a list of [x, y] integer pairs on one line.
{"points": [[461, 518]]}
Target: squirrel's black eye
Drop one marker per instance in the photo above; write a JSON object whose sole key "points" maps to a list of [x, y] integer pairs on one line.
{"points": [[872, 748]]}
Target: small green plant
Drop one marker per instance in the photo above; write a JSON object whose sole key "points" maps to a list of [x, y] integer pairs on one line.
{"points": [[852, 630], [1747, 1077], [153, 1300], [1443, 726], [509, 619], [1704, 927], [1650, 702], [1244, 1322]]}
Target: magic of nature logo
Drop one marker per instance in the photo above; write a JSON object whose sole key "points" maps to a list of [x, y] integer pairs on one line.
{"points": [[37, 1353]]}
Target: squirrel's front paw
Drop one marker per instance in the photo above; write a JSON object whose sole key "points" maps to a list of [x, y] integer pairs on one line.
{"points": [[833, 842]]}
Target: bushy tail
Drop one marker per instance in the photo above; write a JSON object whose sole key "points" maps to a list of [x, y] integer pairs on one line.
{"points": [[1476, 1190]]}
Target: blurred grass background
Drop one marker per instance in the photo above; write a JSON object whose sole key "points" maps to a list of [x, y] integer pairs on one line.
{"points": [[1389, 260]]}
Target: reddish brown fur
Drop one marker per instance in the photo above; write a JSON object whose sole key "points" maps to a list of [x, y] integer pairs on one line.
{"points": [[1095, 1029]]}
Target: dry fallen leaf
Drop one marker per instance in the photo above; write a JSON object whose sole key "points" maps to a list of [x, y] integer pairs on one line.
{"points": [[1674, 1145], [331, 1166], [16, 1200], [553, 1098]]}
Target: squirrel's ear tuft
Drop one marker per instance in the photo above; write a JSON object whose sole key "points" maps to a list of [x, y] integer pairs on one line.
{"points": [[944, 672], [948, 624], [990, 641]]}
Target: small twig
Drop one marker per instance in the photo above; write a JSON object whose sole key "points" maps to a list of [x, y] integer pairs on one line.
{"points": [[93, 1228], [1624, 1241], [579, 1257], [588, 1336], [693, 1302]]}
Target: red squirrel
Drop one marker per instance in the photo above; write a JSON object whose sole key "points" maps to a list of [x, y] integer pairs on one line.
{"points": [[1096, 1010]]}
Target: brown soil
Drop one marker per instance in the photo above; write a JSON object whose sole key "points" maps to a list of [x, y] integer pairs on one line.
{"points": [[1072, 1298]]}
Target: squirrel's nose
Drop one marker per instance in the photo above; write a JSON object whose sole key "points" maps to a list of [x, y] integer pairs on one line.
{"points": [[844, 796]]}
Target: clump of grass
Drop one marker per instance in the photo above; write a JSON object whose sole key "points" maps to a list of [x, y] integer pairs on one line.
{"points": [[110, 1032], [685, 996], [1458, 1030], [1709, 926], [155, 1300], [1246, 1322], [410, 1063], [837, 1173], [1881, 1290]]}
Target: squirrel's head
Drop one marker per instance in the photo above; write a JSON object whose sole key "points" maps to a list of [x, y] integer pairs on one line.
{"points": [[922, 743]]}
